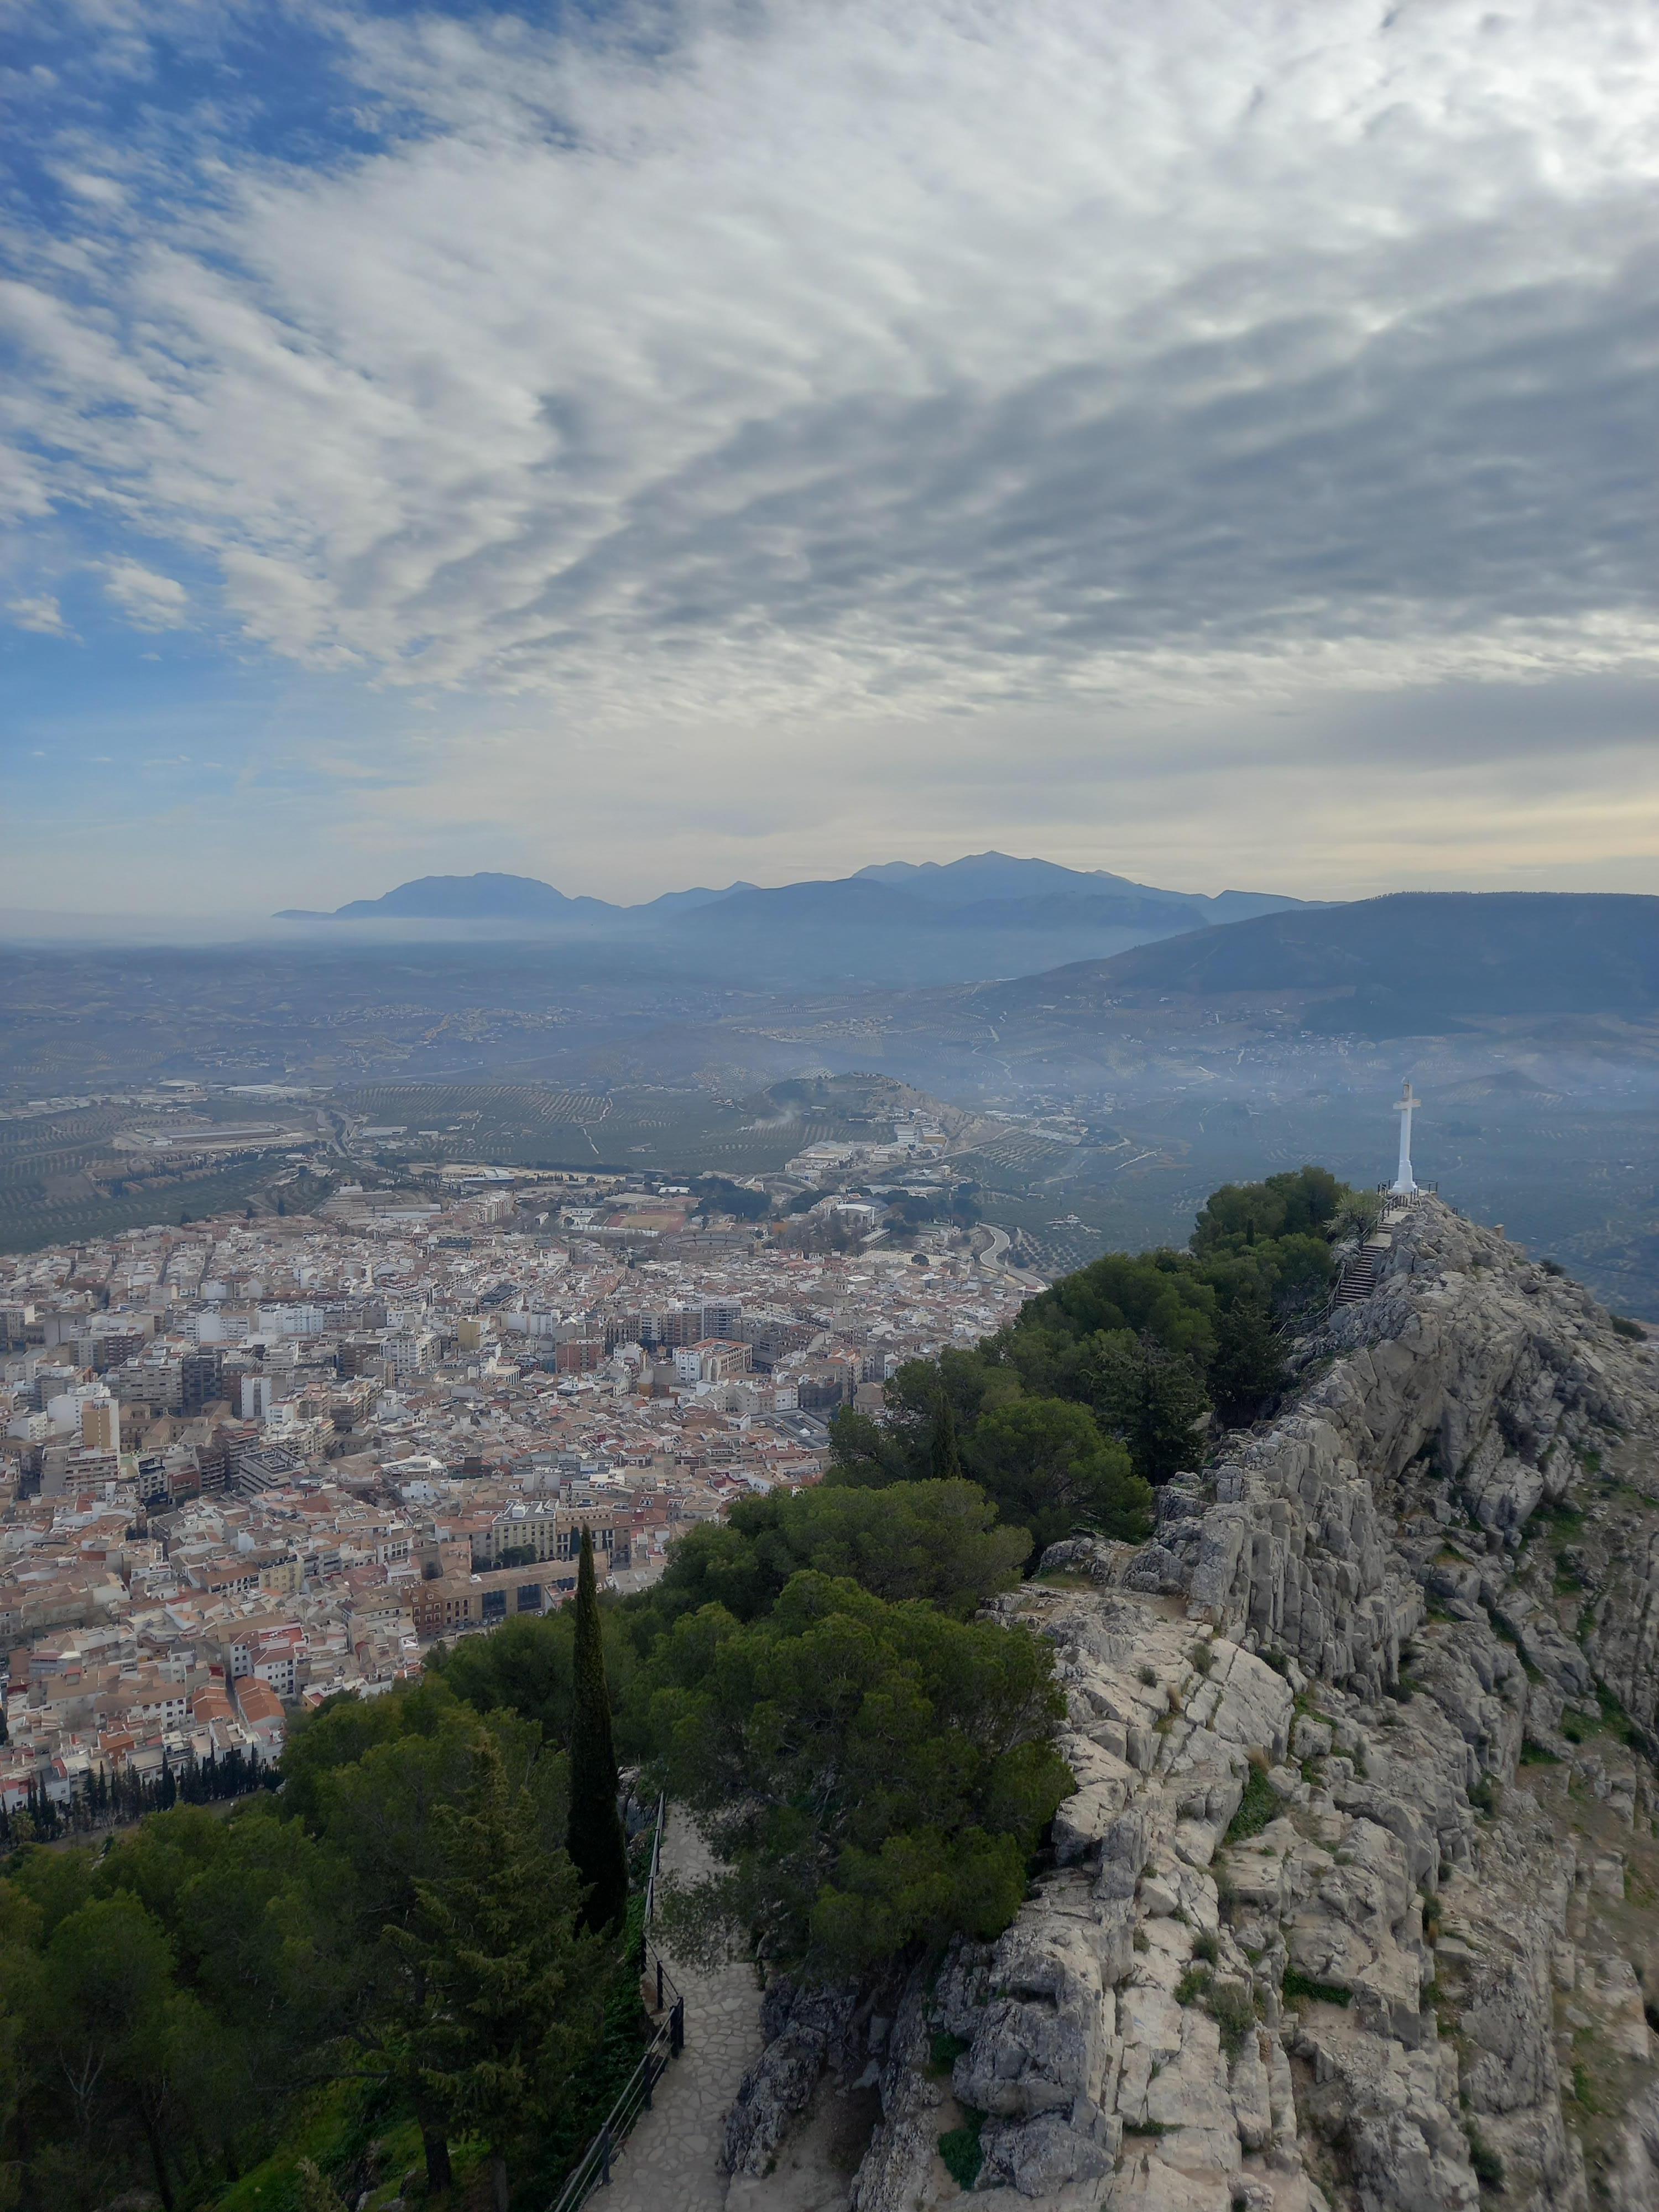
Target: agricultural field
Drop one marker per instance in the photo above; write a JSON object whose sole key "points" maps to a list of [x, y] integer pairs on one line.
{"points": [[63, 1178], [641, 1127]]}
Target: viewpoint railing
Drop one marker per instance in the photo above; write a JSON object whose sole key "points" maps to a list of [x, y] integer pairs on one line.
{"points": [[592, 2169]]}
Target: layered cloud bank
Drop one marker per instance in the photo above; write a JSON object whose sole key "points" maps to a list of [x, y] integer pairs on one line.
{"points": [[855, 360]]}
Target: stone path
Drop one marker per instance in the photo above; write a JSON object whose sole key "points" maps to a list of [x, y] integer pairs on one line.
{"points": [[671, 2161]]}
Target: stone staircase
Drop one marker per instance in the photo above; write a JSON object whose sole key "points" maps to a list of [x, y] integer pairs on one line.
{"points": [[1359, 1277]]}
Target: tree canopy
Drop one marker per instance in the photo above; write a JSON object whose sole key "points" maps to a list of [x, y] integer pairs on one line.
{"points": [[873, 1775]]}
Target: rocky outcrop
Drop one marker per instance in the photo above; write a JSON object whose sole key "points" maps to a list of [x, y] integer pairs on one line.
{"points": [[1353, 1909]]}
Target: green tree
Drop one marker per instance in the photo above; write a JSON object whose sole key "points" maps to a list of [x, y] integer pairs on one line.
{"points": [[379, 1816], [514, 1993], [1049, 1467], [1160, 1294], [116, 2026], [528, 1666], [867, 1454], [872, 1776], [944, 1454], [1249, 1369], [937, 1541], [596, 1842]]}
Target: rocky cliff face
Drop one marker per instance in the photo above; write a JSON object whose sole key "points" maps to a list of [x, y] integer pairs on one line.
{"points": [[1355, 1906]]}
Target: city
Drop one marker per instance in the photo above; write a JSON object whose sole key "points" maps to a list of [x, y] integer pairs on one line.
{"points": [[248, 1464]]}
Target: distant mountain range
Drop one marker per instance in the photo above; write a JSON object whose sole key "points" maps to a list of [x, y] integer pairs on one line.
{"points": [[895, 922]]}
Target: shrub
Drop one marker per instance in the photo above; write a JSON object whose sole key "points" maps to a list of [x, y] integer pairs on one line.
{"points": [[960, 2150], [1621, 1326], [944, 2052], [1299, 1988], [1234, 2016], [1207, 1948], [1488, 2166], [1259, 1805]]}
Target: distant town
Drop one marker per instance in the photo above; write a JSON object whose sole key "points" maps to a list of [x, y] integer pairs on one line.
{"points": [[254, 1461]]}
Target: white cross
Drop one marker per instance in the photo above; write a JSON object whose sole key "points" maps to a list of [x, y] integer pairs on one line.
{"points": [[1405, 1106]]}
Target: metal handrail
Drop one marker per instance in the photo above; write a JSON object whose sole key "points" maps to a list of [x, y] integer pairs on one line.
{"points": [[592, 2169], [656, 1862]]}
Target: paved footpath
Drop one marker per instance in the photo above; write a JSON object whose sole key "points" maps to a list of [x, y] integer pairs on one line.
{"points": [[671, 2161]]}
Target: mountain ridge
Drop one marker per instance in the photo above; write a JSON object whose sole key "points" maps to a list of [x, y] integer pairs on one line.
{"points": [[950, 885]]}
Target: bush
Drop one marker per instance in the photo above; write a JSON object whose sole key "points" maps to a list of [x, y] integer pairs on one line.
{"points": [[1234, 2016], [1259, 1805], [944, 2052], [1633, 1329], [960, 2150], [1488, 2166], [1299, 1988]]}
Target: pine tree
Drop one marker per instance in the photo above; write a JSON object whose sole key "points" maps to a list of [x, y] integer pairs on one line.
{"points": [[944, 1455], [513, 1995], [595, 1832]]}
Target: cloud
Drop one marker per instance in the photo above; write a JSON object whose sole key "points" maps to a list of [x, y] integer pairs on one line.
{"points": [[868, 359], [149, 600], [41, 614]]}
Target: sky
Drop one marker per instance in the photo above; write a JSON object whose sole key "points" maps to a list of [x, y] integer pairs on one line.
{"points": [[641, 446]]}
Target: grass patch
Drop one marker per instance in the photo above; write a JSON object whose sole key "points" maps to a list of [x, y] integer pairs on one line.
{"points": [[1564, 1522], [1615, 1719], [1191, 1986], [1533, 1753], [1153, 2128], [1206, 1947], [1584, 2089], [1260, 1804], [1484, 1797], [1201, 1657], [959, 2149], [1299, 1988], [1234, 2011]]}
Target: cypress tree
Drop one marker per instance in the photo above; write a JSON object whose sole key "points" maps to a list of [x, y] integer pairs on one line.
{"points": [[596, 1831], [944, 1458]]}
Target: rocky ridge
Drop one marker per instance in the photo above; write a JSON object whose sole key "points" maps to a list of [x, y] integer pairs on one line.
{"points": [[1353, 1908]]}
